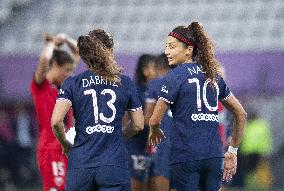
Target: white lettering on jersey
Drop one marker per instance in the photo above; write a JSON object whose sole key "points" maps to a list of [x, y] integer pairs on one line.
{"points": [[195, 70], [139, 162], [204, 117], [99, 128], [96, 81], [61, 92], [164, 89]]}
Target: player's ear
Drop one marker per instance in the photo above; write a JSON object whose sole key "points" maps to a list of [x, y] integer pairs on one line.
{"points": [[189, 51]]}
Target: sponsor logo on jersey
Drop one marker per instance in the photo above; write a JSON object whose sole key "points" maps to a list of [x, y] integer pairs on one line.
{"points": [[61, 92], [204, 117], [164, 89], [99, 129]]}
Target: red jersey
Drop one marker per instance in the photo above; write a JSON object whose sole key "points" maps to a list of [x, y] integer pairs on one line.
{"points": [[44, 98]]}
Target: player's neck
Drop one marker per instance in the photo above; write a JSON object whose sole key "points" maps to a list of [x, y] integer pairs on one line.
{"points": [[188, 61], [50, 76]]}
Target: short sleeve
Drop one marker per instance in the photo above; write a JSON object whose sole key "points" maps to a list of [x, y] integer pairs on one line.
{"points": [[34, 87], [224, 91], [169, 87], [134, 103], [65, 91], [151, 92]]}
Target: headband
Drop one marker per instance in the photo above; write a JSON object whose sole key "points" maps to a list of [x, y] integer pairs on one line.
{"points": [[181, 38]]}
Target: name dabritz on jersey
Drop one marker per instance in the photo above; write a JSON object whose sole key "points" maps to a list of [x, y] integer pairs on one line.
{"points": [[96, 81]]}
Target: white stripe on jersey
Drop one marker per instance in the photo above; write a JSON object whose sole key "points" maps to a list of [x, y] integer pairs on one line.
{"points": [[136, 109], [64, 99], [164, 99], [227, 96]]}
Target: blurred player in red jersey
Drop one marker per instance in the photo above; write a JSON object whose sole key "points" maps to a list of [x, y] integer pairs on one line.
{"points": [[54, 66]]}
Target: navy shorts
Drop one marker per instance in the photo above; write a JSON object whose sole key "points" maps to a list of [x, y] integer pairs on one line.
{"points": [[104, 178], [160, 165], [193, 175]]}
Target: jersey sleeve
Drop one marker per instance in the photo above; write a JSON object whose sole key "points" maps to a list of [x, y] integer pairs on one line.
{"points": [[134, 103], [169, 87], [65, 91], [151, 92], [35, 88], [224, 91]]}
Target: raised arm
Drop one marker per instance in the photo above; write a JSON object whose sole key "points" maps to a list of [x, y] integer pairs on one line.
{"points": [[62, 38], [43, 62]]}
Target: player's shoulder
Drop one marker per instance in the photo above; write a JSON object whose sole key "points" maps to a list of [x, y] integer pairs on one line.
{"points": [[155, 82], [126, 80]]}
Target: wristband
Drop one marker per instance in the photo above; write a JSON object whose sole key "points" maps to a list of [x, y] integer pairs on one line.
{"points": [[233, 150]]}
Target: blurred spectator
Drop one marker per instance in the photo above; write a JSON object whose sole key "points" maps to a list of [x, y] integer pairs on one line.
{"points": [[253, 166], [8, 168], [24, 144]]}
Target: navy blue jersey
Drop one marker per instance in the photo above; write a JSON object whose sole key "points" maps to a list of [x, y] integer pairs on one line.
{"points": [[151, 96], [98, 107], [194, 104], [138, 142]]}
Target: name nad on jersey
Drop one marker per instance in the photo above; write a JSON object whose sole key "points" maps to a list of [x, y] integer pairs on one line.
{"points": [[98, 80], [195, 70], [192, 70]]}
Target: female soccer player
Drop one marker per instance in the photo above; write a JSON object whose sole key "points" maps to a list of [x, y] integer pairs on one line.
{"points": [[54, 66], [140, 159], [192, 89], [99, 97], [159, 178]]}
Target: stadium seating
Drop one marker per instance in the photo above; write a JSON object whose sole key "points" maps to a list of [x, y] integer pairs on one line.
{"points": [[142, 26]]}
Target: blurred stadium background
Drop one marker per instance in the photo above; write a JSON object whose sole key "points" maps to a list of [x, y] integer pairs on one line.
{"points": [[248, 36]]}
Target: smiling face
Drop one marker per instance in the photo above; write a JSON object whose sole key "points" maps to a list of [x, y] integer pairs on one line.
{"points": [[177, 52]]}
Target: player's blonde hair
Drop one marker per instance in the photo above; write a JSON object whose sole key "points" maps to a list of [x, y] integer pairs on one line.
{"points": [[96, 49]]}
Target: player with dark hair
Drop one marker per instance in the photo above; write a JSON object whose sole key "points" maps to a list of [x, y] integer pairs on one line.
{"points": [[139, 156], [160, 167], [192, 89], [99, 97], [54, 66]]}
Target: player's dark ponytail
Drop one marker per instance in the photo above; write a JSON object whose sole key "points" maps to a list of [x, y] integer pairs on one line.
{"points": [[204, 52], [96, 49]]}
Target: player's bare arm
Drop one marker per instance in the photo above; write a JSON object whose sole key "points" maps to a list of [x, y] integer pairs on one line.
{"points": [[60, 110], [148, 112], [233, 105], [43, 62], [133, 122], [230, 163], [156, 134]]}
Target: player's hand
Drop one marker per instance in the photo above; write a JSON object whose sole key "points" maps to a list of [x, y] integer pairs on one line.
{"points": [[230, 166], [60, 39], [155, 136], [66, 147], [47, 37]]}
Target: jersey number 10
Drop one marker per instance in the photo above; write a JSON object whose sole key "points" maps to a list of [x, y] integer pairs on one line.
{"points": [[198, 94]]}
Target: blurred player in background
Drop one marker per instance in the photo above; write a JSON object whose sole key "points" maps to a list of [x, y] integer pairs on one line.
{"points": [[140, 158], [99, 97], [54, 66], [160, 167], [192, 89]]}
